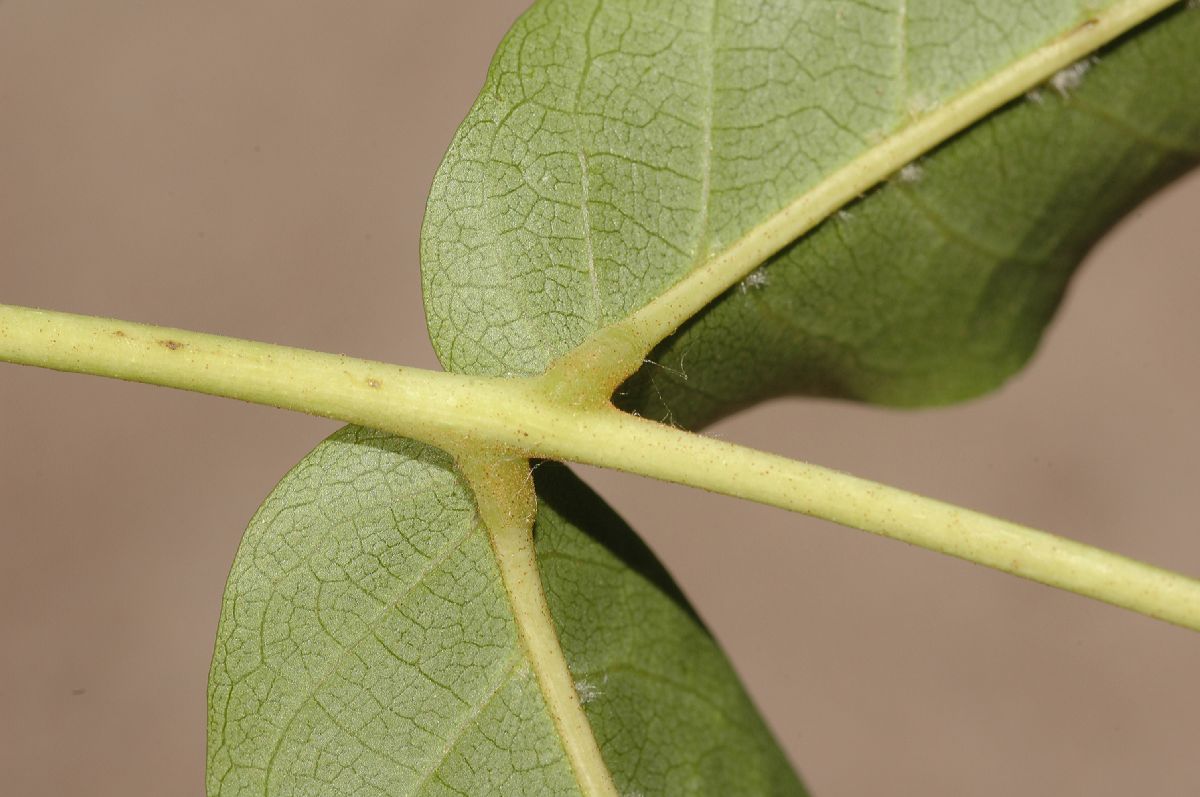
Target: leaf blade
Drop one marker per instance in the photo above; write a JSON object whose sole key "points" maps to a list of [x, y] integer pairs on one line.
{"points": [[367, 645], [938, 290], [324, 620], [509, 245], [662, 700]]}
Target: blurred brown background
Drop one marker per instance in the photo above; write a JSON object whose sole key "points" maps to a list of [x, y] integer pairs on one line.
{"points": [[259, 169]]}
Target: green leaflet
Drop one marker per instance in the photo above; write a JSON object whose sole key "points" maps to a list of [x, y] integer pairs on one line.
{"points": [[666, 708], [938, 289], [366, 646], [617, 144]]}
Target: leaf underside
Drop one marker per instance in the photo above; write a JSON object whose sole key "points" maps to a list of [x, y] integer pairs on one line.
{"points": [[936, 288], [616, 145], [366, 643], [366, 646]]}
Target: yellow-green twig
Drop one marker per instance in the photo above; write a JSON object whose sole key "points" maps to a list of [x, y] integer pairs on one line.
{"points": [[471, 414]]}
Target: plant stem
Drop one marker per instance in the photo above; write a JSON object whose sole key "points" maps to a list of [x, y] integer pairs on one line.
{"points": [[651, 449], [430, 406], [525, 416]]}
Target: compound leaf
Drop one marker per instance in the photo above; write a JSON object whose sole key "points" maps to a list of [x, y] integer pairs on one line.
{"points": [[367, 645]]}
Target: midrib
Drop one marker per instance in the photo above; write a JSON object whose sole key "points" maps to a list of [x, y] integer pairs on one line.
{"points": [[503, 488], [608, 351]]}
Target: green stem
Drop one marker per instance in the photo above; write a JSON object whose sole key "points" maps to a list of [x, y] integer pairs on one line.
{"points": [[650, 449], [528, 417], [430, 406]]}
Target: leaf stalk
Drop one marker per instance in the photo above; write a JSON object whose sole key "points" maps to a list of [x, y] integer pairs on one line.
{"points": [[528, 418]]}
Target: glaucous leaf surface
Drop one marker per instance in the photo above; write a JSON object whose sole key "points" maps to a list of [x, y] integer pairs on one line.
{"points": [[937, 285], [366, 646], [617, 144]]}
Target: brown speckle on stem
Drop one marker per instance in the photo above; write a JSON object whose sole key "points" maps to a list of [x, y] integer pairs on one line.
{"points": [[173, 345]]}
